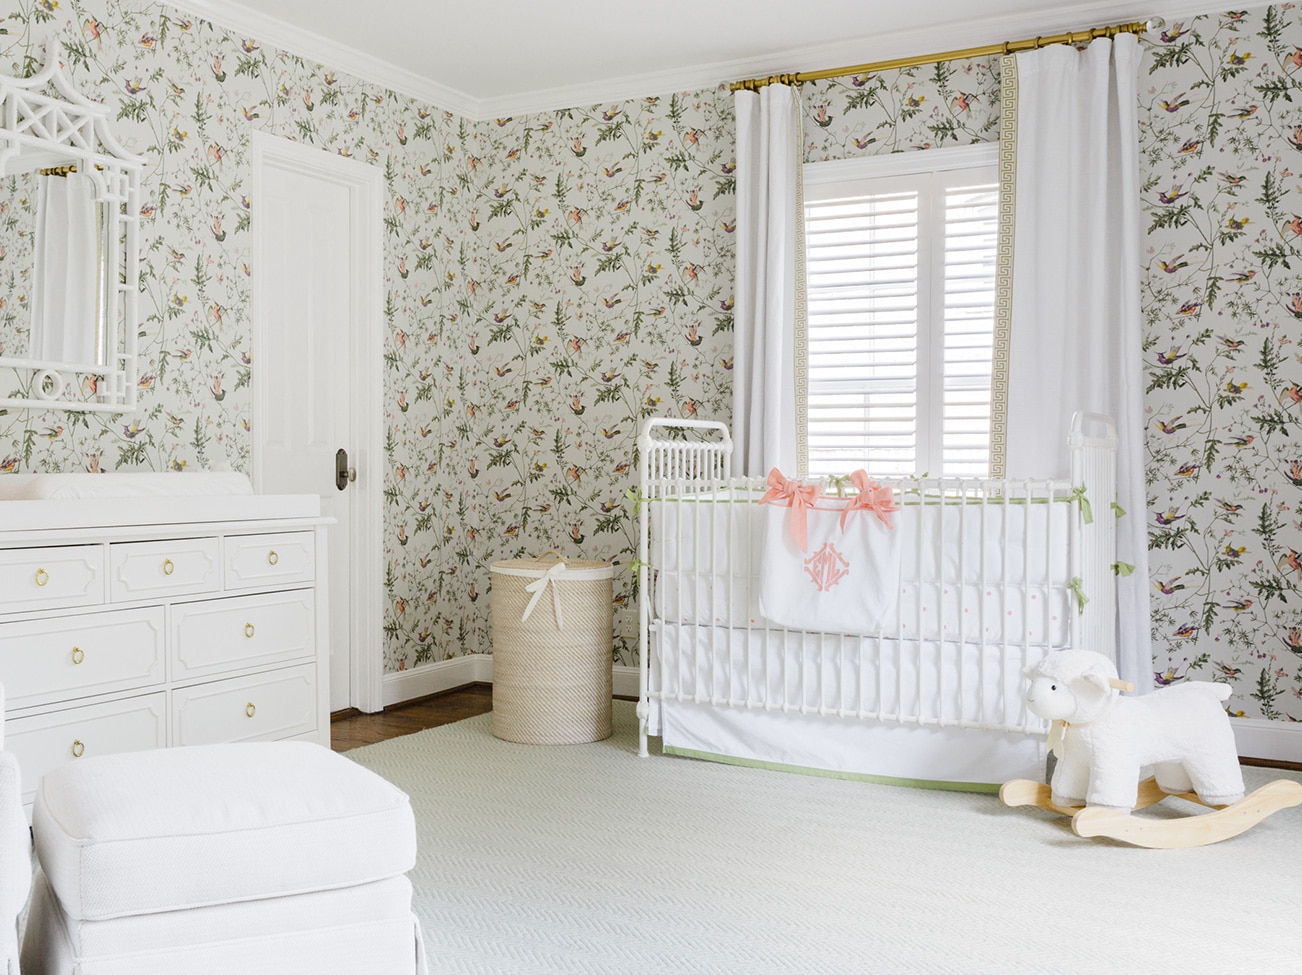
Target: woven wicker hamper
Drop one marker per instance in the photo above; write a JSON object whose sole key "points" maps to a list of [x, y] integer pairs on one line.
{"points": [[551, 677]]}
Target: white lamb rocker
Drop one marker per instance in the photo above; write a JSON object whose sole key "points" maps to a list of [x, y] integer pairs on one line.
{"points": [[1102, 740]]}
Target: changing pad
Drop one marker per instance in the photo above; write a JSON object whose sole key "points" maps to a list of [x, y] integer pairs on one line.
{"points": [[142, 484]]}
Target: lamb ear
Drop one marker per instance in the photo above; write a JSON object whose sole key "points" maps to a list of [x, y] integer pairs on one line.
{"points": [[1098, 681]]}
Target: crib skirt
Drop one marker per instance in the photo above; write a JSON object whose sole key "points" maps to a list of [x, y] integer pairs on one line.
{"points": [[961, 759], [944, 715]]}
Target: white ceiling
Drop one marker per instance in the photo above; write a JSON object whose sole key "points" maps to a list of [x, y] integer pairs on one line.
{"points": [[487, 58]]}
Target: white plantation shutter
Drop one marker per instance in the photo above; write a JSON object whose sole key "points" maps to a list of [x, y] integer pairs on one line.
{"points": [[901, 315], [971, 231]]}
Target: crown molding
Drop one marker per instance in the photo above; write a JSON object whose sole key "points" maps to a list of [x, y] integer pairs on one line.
{"points": [[861, 50], [1194, 8], [268, 29]]}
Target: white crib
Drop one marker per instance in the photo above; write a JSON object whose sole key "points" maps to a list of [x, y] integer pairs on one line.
{"points": [[993, 575]]}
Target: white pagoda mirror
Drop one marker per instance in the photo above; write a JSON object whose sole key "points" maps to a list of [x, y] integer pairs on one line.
{"points": [[69, 249]]}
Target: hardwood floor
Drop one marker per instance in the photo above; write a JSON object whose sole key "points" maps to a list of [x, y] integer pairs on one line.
{"points": [[352, 728]]}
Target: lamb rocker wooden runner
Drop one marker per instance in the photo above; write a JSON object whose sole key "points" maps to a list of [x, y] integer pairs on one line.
{"points": [[1102, 740]]}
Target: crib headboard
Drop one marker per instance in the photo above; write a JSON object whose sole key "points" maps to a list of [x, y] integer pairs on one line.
{"points": [[696, 449]]}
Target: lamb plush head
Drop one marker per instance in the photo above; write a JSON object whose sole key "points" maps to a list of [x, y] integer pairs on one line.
{"points": [[1071, 685]]}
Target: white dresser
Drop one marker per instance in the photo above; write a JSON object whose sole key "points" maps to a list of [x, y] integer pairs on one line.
{"points": [[134, 623]]}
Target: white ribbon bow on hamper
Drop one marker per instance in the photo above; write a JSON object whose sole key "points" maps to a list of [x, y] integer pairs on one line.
{"points": [[538, 586]]}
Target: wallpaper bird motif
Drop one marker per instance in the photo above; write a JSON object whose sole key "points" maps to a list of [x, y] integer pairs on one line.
{"points": [[553, 278], [953, 103], [17, 257], [1222, 300]]}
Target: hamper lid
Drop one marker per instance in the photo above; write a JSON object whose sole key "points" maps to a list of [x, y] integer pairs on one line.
{"points": [[576, 570]]}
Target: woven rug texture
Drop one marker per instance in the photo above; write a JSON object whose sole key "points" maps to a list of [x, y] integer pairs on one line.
{"points": [[587, 859]]}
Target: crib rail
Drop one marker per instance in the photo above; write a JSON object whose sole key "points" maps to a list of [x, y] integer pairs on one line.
{"points": [[951, 646]]}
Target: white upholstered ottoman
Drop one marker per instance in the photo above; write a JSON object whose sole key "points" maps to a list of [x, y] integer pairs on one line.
{"points": [[276, 857]]}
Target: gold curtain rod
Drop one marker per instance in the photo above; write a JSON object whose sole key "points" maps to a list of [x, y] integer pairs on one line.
{"points": [[1007, 47]]}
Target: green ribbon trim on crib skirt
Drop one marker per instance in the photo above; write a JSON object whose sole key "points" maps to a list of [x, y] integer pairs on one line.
{"points": [[939, 784]]}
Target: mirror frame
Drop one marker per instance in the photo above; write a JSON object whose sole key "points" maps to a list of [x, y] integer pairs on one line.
{"points": [[74, 129]]}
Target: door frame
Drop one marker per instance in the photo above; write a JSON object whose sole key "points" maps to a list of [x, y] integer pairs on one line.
{"points": [[365, 185]]}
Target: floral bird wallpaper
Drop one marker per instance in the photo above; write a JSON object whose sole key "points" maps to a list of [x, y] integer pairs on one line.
{"points": [[17, 255], [598, 291], [554, 277], [1220, 142]]}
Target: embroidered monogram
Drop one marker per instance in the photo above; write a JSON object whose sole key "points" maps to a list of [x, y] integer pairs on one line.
{"points": [[827, 567]]}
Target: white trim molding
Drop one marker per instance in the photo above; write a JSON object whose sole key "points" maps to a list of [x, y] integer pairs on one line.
{"points": [[365, 186], [1271, 741], [269, 29], [902, 163], [474, 668], [624, 681], [443, 675]]}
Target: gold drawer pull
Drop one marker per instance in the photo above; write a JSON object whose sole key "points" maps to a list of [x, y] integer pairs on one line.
{"points": [[248, 630], [78, 749], [42, 577], [272, 557], [78, 655], [250, 710], [168, 567]]}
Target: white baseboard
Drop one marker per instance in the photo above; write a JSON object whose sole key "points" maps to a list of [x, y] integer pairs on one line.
{"points": [[444, 675], [624, 681], [474, 668], [1272, 741]]}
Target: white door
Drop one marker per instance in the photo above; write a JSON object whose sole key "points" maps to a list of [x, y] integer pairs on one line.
{"points": [[313, 293]]}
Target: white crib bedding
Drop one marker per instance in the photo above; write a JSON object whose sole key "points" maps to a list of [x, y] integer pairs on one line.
{"points": [[967, 572], [928, 611], [957, 742], [897, 681]]}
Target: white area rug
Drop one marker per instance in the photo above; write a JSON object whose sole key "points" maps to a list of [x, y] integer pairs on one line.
{"points": [[585, 858]]}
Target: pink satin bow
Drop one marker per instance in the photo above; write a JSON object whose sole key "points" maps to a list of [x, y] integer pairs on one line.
{"points": [[871, 497], [800, 497]]}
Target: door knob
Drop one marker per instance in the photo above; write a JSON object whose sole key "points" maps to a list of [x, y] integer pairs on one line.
{"points": [[344, 475]]}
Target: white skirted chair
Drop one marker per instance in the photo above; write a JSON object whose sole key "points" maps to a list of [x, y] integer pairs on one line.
{"points": [[15, 854], [274, 857]]}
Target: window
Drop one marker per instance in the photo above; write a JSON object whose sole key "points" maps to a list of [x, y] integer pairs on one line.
{"points": [[900, 268]]}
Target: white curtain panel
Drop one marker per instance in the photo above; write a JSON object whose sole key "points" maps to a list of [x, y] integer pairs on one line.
{"points": [[65, 274], [766, 410], [1074, 341]]}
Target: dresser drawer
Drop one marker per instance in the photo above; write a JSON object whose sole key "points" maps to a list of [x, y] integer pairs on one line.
{"points": [[50, 660], [45, 741], [222, 635], [51, 578], [279, 704], [175, 567], [270, 560]]}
